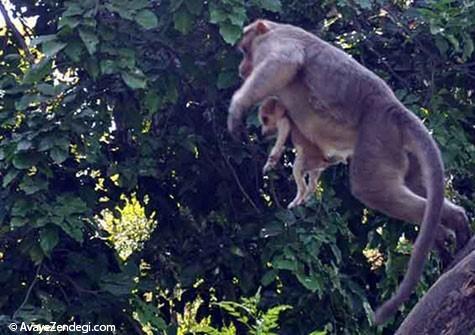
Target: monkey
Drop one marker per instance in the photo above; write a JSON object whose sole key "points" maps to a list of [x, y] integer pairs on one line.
{"points": [[309, 159], [346, 109]]}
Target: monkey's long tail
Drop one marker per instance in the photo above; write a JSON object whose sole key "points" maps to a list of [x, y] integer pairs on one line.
{"points": [[424, 147]]}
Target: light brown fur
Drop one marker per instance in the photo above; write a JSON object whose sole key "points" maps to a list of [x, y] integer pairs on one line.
{"points": [[310, 161], [347, 110]]}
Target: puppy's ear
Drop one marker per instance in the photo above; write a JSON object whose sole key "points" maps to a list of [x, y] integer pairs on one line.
{"points": [[268, 106]]}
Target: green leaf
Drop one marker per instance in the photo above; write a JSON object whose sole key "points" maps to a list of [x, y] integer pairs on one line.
{"points": [[269, 277], [285, 264], [217, 15], [316, 332], [21, 208], [312, 283], [123, 11], [92, 67], [194, 6], [365, 4], [38, 71], [58, 155], [62, 142], [51, 48], [238, 16], [271, 5], [23, 161], [147, 19], [230, 33], [73, 9], [183, 21], [42, 39], [17, 222], [135, 80], [108, 66], [46, 89], [31, 185], [36, 254], [72, 227], [74, 50], [23, 145], [455, 43], [26, 101], [435, 28], [468, 46], [152, 101], [226, 79], [138, 4], [119, 284], [175, 4], [235, 250], [46, 143], [89, 39], [68, 21], [49, 238], [336, 252], [9, 177]]}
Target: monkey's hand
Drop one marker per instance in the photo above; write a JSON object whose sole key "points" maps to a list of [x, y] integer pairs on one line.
{"points": [[235, 126], [235, 116], [270, 164]]}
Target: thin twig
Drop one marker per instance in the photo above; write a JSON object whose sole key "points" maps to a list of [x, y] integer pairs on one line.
{"points": [[16, 34], [430, 91], [371, 47], [274, 194], [238, 182], [393, 17], [28, 292], [233, 171]]}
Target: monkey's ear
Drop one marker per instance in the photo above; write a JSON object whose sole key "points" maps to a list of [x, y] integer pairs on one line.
{"points": [[262, 27]]}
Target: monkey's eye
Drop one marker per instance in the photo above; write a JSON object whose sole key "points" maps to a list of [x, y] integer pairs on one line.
{"points": [[265, 120]]}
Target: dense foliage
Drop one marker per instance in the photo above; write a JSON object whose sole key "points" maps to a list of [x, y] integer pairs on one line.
{"points": [[114, 123]]}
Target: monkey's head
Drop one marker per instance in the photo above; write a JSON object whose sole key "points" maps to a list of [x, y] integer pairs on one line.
{"points": [[246, 45], [270, 112]]}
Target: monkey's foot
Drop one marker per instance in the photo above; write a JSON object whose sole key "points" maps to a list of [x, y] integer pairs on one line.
{"points": [[299, 200], [270, 165]]}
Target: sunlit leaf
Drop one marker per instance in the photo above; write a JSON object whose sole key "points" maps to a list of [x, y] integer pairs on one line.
{"points": [[135, 80], [147, 19], [37, 71]]}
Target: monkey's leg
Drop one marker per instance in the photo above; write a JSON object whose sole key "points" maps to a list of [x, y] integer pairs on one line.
{"points": [[453, 216], [313, 176], [377, 178], [299, 178]]}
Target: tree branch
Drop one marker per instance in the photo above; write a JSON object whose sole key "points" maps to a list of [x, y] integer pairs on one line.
{"points": [[20, 41], [30, 289], [449, 306]]}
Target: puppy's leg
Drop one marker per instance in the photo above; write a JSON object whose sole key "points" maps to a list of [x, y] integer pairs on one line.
{"points": [[299, 178], [313, 176]]}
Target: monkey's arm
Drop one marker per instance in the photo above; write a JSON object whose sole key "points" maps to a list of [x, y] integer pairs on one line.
{"points": [[283, 131], [274, 72]]}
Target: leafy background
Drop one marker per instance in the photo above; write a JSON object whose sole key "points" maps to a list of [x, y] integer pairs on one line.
{"points": [[124, 201]]}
